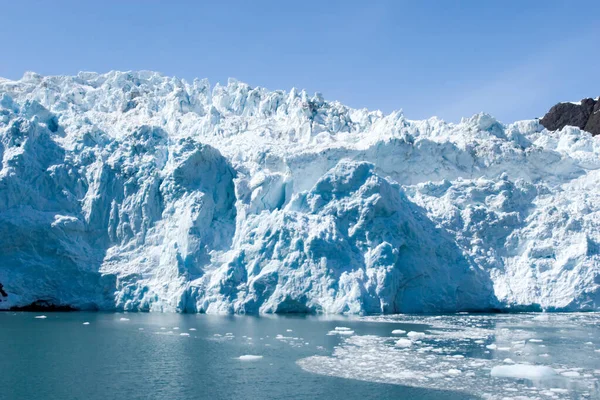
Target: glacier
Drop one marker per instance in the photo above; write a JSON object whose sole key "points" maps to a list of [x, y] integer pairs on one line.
{"points": [[140, 192]]}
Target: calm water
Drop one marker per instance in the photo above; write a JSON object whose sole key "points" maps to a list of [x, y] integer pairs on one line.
{"points": [[144, 356]]}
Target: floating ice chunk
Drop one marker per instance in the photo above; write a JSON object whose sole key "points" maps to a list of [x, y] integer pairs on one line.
{"points": [[398, 332], [523, 371], [435, 375], [184, 334], [192, 329], [347, 333], [41, 317], [176, 328], [289, 330], [454, 371], [535, 340], [508, 361], [503, 349], [162, 328], [545, 355], [249, 357], [543, 317], [140, 329], [491, 346], [86, 323], [597, 350], [403, 343], [589, 343], [229, 334], [217, 335], [124, 319], [571, 374], [340, 328], [415, 335]]}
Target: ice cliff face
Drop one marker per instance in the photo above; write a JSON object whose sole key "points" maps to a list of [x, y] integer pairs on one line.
{"points": [[137, 191]]}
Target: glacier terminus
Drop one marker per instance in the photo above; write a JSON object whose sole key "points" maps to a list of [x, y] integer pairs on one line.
{"points": [[140, 192]]}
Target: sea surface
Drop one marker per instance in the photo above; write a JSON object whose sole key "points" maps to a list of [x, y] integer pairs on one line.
{"points": [[100, 356]]}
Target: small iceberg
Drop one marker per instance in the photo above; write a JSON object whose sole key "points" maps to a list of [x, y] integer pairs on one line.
{"points": [[415, 335], [398, 332], [86, 323], [523, 371], [249, 357], [404, 343], [41, 317], [338, 332]]}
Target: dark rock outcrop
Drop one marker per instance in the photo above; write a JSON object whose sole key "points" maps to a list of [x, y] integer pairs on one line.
{"points": [[585, 115]]}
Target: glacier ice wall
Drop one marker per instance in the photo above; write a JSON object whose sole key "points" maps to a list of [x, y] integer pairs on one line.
{"points": [[136, 191]]}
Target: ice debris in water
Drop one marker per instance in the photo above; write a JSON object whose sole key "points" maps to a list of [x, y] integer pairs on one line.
{"points": [[249, 357], [532, 372], [41, 317], [124, 319], [442, 358], [398, 332], [403, 343], [415, 335], [165, 195], [86, 323], [337, 331]]}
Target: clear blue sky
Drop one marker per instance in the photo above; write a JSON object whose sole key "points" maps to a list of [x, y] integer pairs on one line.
{"points": [[513, 59]]}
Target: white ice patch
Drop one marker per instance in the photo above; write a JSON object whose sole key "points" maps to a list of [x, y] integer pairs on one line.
{"points": [[532, 372], [41, 317], [398, 332], [403, 343], [340, 332], [249, 357], [415, 335]]}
